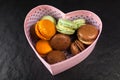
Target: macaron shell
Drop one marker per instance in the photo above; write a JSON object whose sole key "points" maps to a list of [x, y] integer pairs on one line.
{"points": [[79, 22], [49, 18], [60, 42], [88, 42], [65, 30], [55, 56], [67, 23], [43, 47], [38, 33], [47, 28], [33, 34], [74, 49], [87, 32], [80, 45]]}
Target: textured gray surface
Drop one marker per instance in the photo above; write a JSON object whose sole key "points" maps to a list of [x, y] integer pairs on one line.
{"points": [[18, 61]]}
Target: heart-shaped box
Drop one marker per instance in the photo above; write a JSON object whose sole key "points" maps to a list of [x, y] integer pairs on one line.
{"points": [[38, 12]]}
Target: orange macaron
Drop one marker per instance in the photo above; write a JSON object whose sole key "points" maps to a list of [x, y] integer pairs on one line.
{"points": [[43, 47], [45, 29]]}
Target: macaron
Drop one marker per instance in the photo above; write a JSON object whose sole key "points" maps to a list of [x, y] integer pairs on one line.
{"points": [[87, 33], [55, 56], [49, 18], [76, 47], [43, 47], [79, 22], [34, 37], [66, 26], [45, 29], [60, 42]]}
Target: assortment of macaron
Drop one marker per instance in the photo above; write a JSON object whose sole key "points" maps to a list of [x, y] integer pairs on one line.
{"points": [[56, 37]]}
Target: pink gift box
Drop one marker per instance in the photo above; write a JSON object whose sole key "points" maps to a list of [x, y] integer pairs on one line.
{"points": [[38, 12]]}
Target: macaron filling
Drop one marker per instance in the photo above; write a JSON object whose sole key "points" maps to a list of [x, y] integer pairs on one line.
{"points": [[88, 42]]}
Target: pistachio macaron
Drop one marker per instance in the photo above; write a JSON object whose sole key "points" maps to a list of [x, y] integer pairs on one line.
{"points": [[79, 22], [66, 26], [48, 17], [69, 27]]}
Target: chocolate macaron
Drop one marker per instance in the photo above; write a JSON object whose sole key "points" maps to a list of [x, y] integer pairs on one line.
{"points": [[55, 56], [87, 33], [60, 42], [76, 47]]}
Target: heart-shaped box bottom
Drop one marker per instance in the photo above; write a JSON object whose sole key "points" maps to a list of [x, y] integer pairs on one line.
{"points": [[38, 12]]}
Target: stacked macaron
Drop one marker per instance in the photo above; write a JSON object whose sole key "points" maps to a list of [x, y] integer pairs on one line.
{"points": [[69, 27], [55, 37], [86, 35], [45, 30]]}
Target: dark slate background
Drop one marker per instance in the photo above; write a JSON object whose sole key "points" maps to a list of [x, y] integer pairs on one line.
{"points": [[18, 61]]}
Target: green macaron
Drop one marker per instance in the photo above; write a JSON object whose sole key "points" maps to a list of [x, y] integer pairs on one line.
{"points": [[49, 18], [69, 27], [66, 26], [65, 30], [79, 22], [67, 23]]}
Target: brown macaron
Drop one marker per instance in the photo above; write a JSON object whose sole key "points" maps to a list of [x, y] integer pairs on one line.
{"points": [[34, 37], [87, 33], [60, 42], [77, 47], [55, 56]]}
